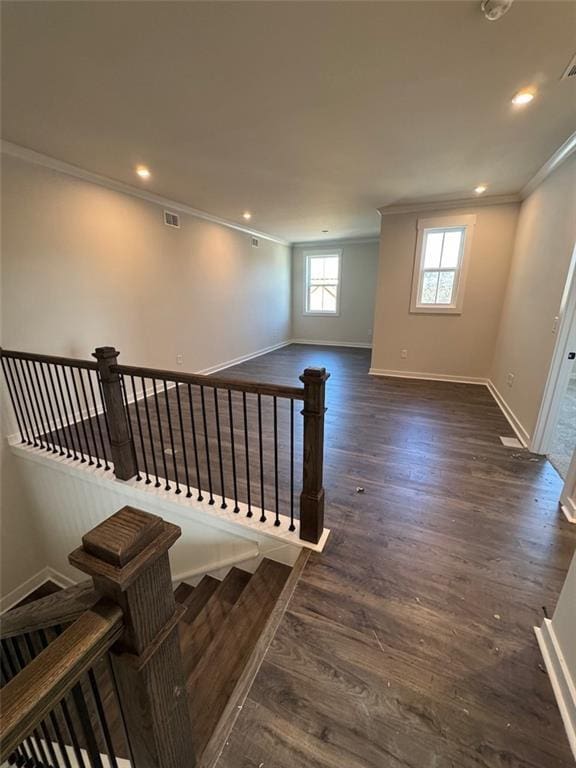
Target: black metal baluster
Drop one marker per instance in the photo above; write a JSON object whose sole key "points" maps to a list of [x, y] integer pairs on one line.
{"points": [[20, 388], [11, 392], [140, 433], [167, 486], [67, 388], [90, 742], [195, 443], [41, 400], [171, 435], [233, 449], [97, 418], [261, 453], [151, 438], [102, 718], [32, 409], [206, 445], [8, 674], [129, 420], [57, 403], [292, 526], [35, 736], [82, 420], [13, 668], [56, 431], [276, 497], [36, 405], [183, 441], [89, 418], [248, 489], [217, 414]]}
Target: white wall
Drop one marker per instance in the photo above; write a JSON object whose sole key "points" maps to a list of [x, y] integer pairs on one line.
{"points": [[544, 244], [84, 266], [442, 345], [358, 288]]}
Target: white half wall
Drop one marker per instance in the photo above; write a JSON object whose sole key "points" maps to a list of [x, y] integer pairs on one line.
{"points": [[357, 293]]}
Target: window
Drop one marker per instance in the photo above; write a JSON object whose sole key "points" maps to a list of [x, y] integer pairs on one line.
{"points": [[322, 283], [442, 249]]}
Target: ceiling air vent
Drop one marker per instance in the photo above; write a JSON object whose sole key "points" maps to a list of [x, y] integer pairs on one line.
{"points": [[171, 219], [570, 70], [255, 242]]}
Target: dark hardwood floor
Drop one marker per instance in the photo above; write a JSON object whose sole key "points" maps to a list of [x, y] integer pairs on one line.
{"points": [[409, 641]]}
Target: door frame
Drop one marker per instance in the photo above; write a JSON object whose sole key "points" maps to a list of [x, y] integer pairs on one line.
{"points": [[559, 373]]}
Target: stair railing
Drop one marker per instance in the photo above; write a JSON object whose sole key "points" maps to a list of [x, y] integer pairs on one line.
{"points": [[65, 693], [231, 443]]}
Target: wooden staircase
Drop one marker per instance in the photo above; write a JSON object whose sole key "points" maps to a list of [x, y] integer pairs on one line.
{"points": [[223, 639]]}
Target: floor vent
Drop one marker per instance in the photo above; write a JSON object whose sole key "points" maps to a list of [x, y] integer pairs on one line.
{"points": [[171, 219], [570, 70]]}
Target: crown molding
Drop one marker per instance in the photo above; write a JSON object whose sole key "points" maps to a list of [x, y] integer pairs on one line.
{"points": [[560, 155], [445, 205], [37, 158], [340, 242]]}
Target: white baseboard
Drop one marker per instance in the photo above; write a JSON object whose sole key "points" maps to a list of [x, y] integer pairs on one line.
{"points": [[568, 507], [562, 684], [242, 359], [315, 342], [427, 376], [514, 422], [27, 587]]}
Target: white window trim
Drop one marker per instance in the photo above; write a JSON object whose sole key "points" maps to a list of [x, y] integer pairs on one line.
{"points": [[322, 252], [442, 222]]}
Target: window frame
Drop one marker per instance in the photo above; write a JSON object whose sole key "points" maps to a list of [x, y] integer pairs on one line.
{"points": [[442, 223], [308, 256]]}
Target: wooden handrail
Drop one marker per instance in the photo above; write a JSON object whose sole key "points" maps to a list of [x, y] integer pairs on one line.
{"points": [[59, 608], [54, 359], [235, 385], [30, 696]]}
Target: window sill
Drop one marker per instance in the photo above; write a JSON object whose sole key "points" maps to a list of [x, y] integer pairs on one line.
{"points": [[321, 314], [432, 310]]}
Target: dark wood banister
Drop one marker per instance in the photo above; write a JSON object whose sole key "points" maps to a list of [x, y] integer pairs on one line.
{"points": [[30, 696], [57, 609], [73, 362]]}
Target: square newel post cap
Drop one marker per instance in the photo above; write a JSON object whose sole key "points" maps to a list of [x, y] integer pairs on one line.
{"points": [[314, 376], [105, 353], [125, 545]]}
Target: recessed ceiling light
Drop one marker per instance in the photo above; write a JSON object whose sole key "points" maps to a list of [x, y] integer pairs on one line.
{"points": [[247, 215], [480, 189], [143, 172], [523, 97]]}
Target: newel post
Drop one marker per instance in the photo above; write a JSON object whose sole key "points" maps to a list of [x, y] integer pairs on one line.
{"points": [[127, 557], [121, 446], [312, 496]]}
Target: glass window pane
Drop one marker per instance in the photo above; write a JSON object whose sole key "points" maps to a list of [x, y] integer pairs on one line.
{"points": [[433, 250], [316, 268], [429, 285], [331, 267], [315, 299], [329, 299], [451, 249], [445, 288]]}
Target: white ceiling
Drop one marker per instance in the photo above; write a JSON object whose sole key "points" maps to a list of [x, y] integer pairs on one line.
{"points": [[310, 114]]}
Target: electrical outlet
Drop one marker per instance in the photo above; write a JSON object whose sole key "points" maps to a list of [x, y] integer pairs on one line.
{"points": [[180, 359], [510, 379], [555, 324], [404, 354]]}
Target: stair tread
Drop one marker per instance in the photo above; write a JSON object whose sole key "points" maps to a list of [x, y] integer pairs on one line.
{"points": [[196, 636], [213, 679], [199, 597], [183, 592]]}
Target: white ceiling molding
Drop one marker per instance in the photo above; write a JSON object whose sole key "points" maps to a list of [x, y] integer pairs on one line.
{"points": [[342, 242], [37, 158], [561, 155], [445, 205]]}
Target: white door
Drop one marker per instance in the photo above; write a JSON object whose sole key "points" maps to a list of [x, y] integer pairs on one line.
{"points": [[568, 498]]}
